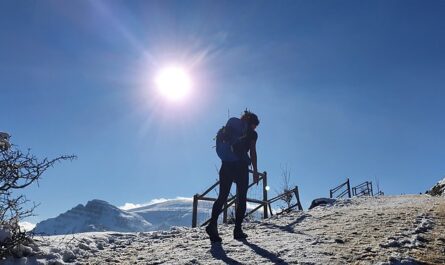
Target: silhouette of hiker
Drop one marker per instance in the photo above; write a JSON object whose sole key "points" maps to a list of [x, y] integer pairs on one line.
{"points": [[233, 143]]}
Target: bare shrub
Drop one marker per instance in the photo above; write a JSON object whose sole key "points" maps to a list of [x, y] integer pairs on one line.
{"points": [[286, 188], [18, 170]]}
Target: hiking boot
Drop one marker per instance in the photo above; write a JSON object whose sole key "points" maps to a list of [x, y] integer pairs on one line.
{"points": [[212, 231], [238, 234]]}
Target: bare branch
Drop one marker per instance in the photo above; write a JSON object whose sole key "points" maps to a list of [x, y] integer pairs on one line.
{"points": [[18, 170], [286, 186]]}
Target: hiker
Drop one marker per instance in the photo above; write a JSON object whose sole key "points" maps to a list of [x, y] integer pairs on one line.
{"points": [[233, 143]]}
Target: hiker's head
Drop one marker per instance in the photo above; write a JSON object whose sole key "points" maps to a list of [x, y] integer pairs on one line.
{"points": [[251, 119]]}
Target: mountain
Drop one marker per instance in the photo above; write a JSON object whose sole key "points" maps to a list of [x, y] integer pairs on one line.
{"points": [[95, 216], [175, 212]]}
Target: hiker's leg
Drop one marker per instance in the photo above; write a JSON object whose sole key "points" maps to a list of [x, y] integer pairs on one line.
{"points": [[225, 183], [241, 193]]}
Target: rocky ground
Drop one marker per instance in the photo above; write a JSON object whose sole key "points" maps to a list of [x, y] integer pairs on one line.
{"points": [[373, 230]]}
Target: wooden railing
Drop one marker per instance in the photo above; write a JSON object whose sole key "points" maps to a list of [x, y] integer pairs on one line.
{"points": [[342, 190], [281, 196], [363, 189], [230, 201], [265, 203]]}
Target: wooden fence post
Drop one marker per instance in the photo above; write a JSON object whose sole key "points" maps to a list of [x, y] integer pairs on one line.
{"points": [[297, 196], [225, 213], [370, 185], [195, 211], [265, 214], [349, 188]]}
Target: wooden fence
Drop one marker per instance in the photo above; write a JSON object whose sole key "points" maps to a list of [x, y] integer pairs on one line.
{"points": [[297, 204], [341, 190], [264, 203], [363, 189]]}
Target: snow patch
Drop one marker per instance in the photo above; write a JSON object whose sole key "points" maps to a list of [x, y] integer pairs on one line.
{"points": [[413, 238], [27, 226]]}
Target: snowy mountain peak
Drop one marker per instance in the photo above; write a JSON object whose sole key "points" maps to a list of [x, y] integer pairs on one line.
{"points": [[98, 203], [99, 215], [96, 215]]}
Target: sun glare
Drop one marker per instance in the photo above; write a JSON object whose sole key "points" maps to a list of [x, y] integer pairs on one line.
{"points": [[173, 83]]}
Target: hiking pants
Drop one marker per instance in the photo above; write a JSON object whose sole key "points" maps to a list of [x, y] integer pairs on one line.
{"points": [[230, 172]]}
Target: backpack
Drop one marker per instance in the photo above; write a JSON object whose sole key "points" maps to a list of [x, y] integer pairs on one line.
{"points": [[230, 144]]}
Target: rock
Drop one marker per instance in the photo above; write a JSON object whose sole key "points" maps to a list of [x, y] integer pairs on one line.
{"points": [[22, 251], [438, 189], [68, 256], [391, 244], [84, 246], [322, 201], [339, 241], [100, 245]]}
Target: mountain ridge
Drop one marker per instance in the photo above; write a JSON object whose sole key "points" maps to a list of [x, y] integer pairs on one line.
{"points": [[100, 216], [96, 216]]}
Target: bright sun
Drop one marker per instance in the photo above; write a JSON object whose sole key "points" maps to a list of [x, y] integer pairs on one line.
{"points": [[173, 83]]}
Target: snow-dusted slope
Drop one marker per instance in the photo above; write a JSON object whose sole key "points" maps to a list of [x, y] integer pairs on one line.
{"points": [[96, 215], [175, 212], [368, 230], [438, 189]]}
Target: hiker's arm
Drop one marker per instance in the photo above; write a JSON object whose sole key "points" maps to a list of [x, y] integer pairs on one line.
{"points": [[253, 157]]}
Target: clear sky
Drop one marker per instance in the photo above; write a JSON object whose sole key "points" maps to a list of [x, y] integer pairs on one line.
{"points": [[342, 89]]}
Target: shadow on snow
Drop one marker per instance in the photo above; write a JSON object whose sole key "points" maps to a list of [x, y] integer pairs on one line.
{"points": [[219, 253]]}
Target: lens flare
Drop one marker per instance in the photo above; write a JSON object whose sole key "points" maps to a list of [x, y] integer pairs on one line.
{"points": [[173, 83]]}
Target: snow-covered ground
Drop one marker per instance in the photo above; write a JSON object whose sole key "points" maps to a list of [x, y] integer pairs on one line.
{"points": [[372, 230]]}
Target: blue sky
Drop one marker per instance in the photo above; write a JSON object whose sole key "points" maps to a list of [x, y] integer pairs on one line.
{"points": [[342, 89]]}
